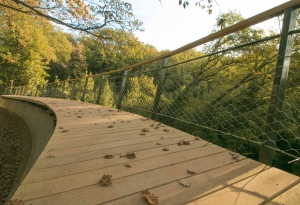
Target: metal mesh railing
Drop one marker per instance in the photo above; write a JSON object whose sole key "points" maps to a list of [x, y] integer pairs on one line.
{"points": [[228, 93]]}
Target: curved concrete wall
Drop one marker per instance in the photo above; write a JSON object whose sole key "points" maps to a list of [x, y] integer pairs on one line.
{"points": [[36, 124]]}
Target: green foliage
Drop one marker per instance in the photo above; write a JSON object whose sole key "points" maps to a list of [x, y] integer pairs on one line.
{"points": [[107, 96]]}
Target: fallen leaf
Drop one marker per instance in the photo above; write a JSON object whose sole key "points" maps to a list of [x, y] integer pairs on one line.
{"points": [[151, 198], [162, 137], [145, 130], [156, 128], [182, 142], [151, 125], [119, 110], [15, 202], [109, 156], [142, 134], [166, 149], [110, 126], [166, 130], [110, 110], [96, 124], [160, 143], [114, 122], [127, 165], [145, 119], [131, 155], [79, 111], [197, 138], [158, 124], [106, 180], [234, 155], [193, 171], [50, 156], [184, 183], [79, 117], [128, 121], [65, 131], [122, 121], [60, 128]]}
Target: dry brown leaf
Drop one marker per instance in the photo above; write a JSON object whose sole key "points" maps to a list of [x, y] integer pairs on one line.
{"points": [[182, 142], [193, 171], [158, 124], [109, 156], [15, 202], [131, 155], [123, 155], [166, 130], [60, 128], [156, 128], [162, 137], [127, 165], [122, 121], [96, 124], [65, 131], [110, 126], [184, 183], [119, 110], [142, 134], [151, 125], [128, 121], [110, 110], [145, 130], [106, 180], [160, 143], [114, 122], [197, 138], [50, 156], [234, 155], [145, 119], [166, 149], [79, 117], [151, 198]]}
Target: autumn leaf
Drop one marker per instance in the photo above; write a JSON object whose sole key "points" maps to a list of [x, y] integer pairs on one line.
{"points": [[193, 171], [109, 156], [110, 126], [234, 155], [142, 134], [162, 137], [50, 156], [197, 138], [145, 130], [156, 128], [65, 131], [184, 183], [79, 117], [106, 180], [131, 155], [127, 165], [160, 143], [166, 130], [166, 149], [15, 202], [60, 128], [151, 125], [182, 142], [151, 198]]}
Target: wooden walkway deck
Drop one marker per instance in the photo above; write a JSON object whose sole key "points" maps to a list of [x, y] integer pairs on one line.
{"points": [[69, 169]]}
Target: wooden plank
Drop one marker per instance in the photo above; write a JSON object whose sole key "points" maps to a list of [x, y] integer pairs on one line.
{"points": [[127, 185], [254, 190], [57, 161], [89, 161], [290, 197], [174, 194], [75, 181]]}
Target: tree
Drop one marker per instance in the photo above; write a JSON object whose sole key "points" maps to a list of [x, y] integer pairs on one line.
{"points": [[89, 16], [207, 6]]}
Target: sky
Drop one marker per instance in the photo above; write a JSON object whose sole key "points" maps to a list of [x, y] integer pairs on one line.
{"points": [[169, 26]]}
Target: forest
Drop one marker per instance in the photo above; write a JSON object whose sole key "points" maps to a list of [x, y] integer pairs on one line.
{"points": [[222, 97]]}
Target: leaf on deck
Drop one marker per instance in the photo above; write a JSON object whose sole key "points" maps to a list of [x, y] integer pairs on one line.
{"points": [[151, 198], [162, 137], [182, 142], [110, 126], [15, 202], [65, 131], [106, 180], [166, 149], [193, 171], [79, 117], [184, 183], [145, 130], [234, 155], [166, 130], [109, 156], [142, 134], [127, 165], [131, 155], [160, 143], [197, 138], [60, 128]]}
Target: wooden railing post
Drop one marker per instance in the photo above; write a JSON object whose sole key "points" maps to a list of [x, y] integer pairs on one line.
{"points": [[37, 89], [62, 90], [159, 88], [73, 90], [122, 90], [280, 80], [84, 89], [100, 89]]}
